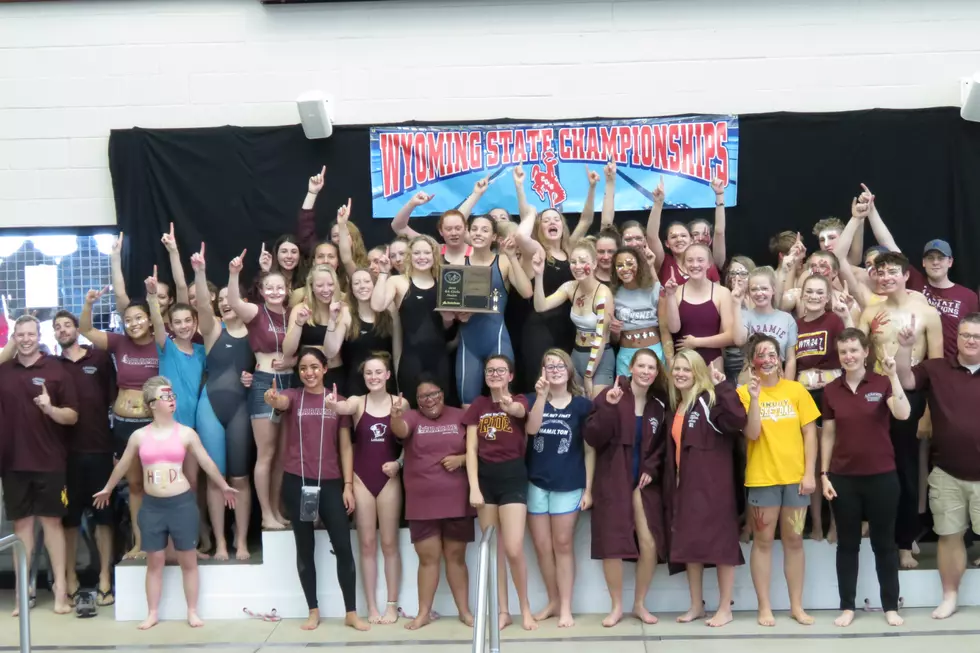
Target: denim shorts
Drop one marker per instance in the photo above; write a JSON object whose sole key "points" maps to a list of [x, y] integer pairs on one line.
{"points": [[545, 502], [262, 381]]}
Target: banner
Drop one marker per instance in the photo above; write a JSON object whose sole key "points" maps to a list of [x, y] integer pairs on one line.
{"points": [[446, 162]]}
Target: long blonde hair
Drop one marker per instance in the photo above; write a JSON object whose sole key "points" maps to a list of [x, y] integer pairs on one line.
{"points": [[436, 269], [383, 322], [702, 382], [573, 386], [312, 300]]}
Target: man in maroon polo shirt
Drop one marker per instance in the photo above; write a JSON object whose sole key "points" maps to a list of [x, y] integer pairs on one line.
{"points": [[89, 450], [954, 484], [38, 401]]}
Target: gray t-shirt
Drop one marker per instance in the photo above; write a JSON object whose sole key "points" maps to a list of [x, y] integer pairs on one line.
{"points": [[778, 324]]}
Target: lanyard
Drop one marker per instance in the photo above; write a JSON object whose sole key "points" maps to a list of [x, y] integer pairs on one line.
{"points": [[323, 417]]}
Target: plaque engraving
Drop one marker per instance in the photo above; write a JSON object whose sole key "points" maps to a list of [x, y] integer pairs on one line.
{"points": [[467, 289]]}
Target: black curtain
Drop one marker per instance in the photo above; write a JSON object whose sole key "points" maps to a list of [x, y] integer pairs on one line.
{"points": [[235, 187]]}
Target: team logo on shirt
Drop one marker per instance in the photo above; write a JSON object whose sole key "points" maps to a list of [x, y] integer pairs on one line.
{"points": [[950, 307], [777, 410], [492, 423], [378, 432], [64, 497], [654, 424], [692, 419], [140, 362], [90, 369], [873, 397], [555, 424], [811, 344]]}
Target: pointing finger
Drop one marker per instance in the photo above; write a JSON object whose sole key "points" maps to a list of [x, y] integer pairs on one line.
{"points": [[171, 229], [154, 272], [243, 254], [263, 248], [323, 171], [202, 249]]}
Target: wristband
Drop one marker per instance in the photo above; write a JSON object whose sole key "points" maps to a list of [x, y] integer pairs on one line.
{"points": [[825, 473]]}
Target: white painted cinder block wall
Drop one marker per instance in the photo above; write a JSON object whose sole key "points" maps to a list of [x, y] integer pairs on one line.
{"points": [[70, 71]]}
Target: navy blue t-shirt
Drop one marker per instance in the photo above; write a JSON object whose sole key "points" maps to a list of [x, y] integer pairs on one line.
{"points": [[556, 453]]}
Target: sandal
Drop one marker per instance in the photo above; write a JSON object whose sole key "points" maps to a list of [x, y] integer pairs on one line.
{"points": [[73, 597], [105, 598]]}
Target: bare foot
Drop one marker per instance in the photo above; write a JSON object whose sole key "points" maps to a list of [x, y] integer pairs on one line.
{"points": [[151, 621], [548, 612], [374, 616], [893, 618], [691, 615], [391, 613], [566, 620], [135, 554], [193, 620], [640, 612], [720, 618], [355, 622], [203, 555], [424, 619], [816, 532], [312, 620], [221, 552], [845, 619], [832, 534], [802, 617], [467, 618], [947, 607], [613, 617], [61, 603], [905, 559], [241, 550], [528, 621], [282, 520], [504, 619], [272, 525], [766, 618]]}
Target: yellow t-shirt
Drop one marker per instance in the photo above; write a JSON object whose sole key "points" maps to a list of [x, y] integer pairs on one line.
{"points": [[777, 457]]}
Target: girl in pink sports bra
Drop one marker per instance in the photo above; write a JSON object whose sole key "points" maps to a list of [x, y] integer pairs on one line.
{"points": [[169, 509], [377, 488]]}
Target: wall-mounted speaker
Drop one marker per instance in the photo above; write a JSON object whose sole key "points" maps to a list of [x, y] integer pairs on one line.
{"points": [[970, 98], [316, 114]]}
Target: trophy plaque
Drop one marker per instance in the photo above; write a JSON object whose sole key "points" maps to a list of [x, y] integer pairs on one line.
{"points": [[467, 289]]}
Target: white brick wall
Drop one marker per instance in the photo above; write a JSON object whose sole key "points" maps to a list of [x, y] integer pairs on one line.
{"points": [[71, 71]]}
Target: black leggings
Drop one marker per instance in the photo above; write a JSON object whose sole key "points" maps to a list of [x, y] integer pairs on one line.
{"points": [[905, 441], [334, 516], [876, 499]]}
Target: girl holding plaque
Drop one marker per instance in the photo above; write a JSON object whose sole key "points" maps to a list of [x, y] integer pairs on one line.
{"points": [[485, 334]]}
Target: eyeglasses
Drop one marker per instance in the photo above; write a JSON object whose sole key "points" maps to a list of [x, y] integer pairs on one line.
{"points": [[970, 337], [497, 371], [165, 396], [739, 273], [430, 395], [555, 368]]}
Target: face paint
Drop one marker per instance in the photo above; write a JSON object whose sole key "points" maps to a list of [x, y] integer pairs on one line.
{"points": [[798, 520], [588, 269]]}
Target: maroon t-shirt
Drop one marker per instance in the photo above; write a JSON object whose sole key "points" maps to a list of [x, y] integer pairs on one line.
{"points": [[816, 343], [954, 394], [501, 437], [670, 263], [862, 445], [94, 380], [431, 492], [135, 364], [952, 303], [266, 331], [35, 442], [307, 409]]}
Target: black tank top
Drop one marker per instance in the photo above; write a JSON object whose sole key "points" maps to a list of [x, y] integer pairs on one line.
{"points": [[421, 323], [312, 335], [367, 341]]}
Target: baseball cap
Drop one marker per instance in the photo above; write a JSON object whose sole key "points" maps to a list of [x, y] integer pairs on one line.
{"points": [[940, 246]]}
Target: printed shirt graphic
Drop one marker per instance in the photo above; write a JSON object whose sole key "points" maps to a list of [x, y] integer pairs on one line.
{"points": [[500, 437], [815, 347], [778, 324], [556, 454], [777, 457]]}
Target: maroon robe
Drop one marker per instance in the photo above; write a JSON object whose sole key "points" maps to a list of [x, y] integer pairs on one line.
{"points": [[611, 431], [700, 505]]}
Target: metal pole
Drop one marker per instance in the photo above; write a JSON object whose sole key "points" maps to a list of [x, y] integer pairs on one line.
{"points": [[480, 620], [494, 602], [23, 590]]}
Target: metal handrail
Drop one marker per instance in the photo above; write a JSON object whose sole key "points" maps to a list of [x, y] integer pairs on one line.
{"points": [[23, 591], [487, 605]]}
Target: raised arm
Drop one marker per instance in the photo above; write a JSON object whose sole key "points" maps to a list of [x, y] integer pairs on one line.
{"points": [[118, 280], [400, 222], [297, 319], [176, 268], [903, 357], [882, 234], [243, 309], [587, 216], [536, 414], [512, 270], [753, 421], [898, 403], [554, 300], [349, 406], [337, 327], [207, 321], [96, 337], [156, 317], [719, 249], [273, 398], [608, 197], [479, 188], [653, 225], [346, 246], [671, 310]]}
